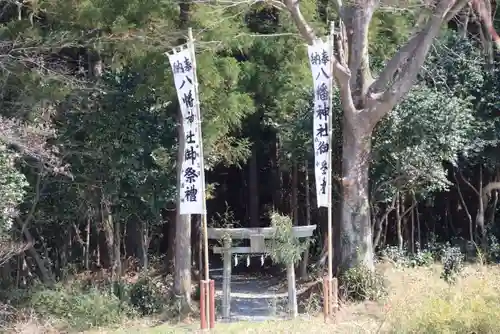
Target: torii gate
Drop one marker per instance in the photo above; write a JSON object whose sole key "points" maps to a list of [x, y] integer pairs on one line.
{"points": [[257, 238]]}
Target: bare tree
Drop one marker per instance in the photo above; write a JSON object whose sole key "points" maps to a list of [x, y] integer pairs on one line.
{"points": [[365, 100]]}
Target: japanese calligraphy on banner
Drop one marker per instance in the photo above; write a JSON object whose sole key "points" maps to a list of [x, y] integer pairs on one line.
{"points": [[321, 67], [192, 190]]}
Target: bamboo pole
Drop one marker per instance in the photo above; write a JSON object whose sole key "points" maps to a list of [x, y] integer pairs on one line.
{"points": [[202, 169], [330, 170]]}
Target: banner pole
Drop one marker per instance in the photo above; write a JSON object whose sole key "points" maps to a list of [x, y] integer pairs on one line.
{"points": [[202, 172], [330, 170]]}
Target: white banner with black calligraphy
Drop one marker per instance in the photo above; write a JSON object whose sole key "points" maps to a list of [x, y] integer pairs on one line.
{"points": [[321, 67], [192, 190]]}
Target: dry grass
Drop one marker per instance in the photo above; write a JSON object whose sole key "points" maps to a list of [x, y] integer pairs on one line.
{"points": [[422, 303], [24, 322], [418, 302]]}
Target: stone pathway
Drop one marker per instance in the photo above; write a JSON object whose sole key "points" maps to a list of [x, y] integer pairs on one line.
{"points": [[252, 298]]}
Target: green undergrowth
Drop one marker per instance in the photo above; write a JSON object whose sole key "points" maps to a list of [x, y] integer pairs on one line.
{"points": [[81, 305]]}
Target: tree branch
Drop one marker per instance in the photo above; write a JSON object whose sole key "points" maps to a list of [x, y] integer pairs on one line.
{"points": [[467, 182], [486, 191], [307, 32], [456, 8], [357, 16], [398, 76], [464, 204], [385, 77], [31, 141], [344, 86]]}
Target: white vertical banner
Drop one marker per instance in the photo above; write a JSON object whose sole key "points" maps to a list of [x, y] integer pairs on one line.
{"points": [[192, 191], [321, 67]]}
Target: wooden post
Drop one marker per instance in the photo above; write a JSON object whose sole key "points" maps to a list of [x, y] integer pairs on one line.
{"points": [[329, 181], [334, 295], [203, 306], [202, 167], [226, 280], [292, 291], [326, 299], [330, 213], [211, 295]]}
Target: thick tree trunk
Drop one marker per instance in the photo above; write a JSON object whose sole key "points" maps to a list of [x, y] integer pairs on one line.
{"points": [[182, 277], [182, 259], [480, 212], [107, 227], [355, 228], [117, 262], [404, 222], [378, 231], [305, 258], [419, 237], [496, 182], [196, 247], [113, 240], [86, 250], [295, 194], [277, 179], [365, 101], [122, 246], [466, 209], [493, 208], [412, 234], [6, 271], [399, 212], [383, 221], [484, 197], [45, 274], [170, 240], [384, 235], [254, 189], [64, 254], [98, 250], [24, 272], [143, 244]]}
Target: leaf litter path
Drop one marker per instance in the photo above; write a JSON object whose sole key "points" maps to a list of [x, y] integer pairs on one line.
{"points": [[253, 298]]}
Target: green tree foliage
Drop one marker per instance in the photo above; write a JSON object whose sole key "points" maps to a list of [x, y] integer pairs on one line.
{"points": [[284, 247], [12, 190], [462, 73], [126, 144], [428, 128], [101, 80], [90, 108]]}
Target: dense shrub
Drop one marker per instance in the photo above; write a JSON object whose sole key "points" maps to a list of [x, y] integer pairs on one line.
{"points": [[360, 283], [421, 258], [79, 309], [493, 254], [404, 258], [453, 264], [146, 297], [450, 256]]}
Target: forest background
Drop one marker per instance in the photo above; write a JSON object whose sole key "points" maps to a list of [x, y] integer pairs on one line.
{"points": [[89, 117]]}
